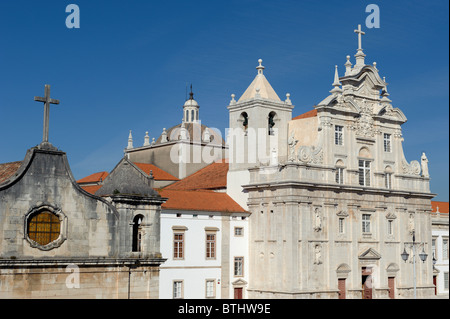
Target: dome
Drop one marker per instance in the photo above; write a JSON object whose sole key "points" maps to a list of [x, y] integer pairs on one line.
{"points": [[191, 102], [195, 132]]}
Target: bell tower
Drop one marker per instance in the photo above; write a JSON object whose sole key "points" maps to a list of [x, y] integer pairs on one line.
{"points": [[258, 132]]}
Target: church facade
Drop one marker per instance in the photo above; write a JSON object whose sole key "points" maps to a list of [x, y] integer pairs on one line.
{"points": [[335, 209]]}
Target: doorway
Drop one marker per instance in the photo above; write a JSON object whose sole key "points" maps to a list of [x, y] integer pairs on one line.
{"points": [[366, 279], [341, 288], [435, 284], [238, 293], [391, 285]]}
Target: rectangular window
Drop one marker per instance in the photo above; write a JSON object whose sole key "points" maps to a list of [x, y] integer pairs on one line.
{"points": [[210, 246], [433, 249], [338, 135], [238, 231], [341, 225], [177, 289], [445, 248], [178, 245], [366, 223], [210, 288], [340, 175], [445, 280], [387, 142], [364, 173], [238, 266], [388, 180]]}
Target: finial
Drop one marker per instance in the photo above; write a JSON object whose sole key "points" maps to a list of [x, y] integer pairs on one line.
{"points": [[385, 87], [336, 82], [146, 139], [384, 93], [191, 94], [260, 68], [130, 141], [288, 100], [206, 135], [375, 65], [348, 66], [153, 141], [164, 136], [233, 101]]}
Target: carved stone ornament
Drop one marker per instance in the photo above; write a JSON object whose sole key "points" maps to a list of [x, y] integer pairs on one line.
{"points": [[342, 213], [391, 216], [364, 125], [308, 154], [412, 168]]}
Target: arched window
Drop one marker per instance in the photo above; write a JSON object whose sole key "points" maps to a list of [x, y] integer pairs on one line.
{"points": [[364, 166], [43, 227], [186, 117], [244, 119], [137, 233], [340, 172], [271, 123], [388, 177]]}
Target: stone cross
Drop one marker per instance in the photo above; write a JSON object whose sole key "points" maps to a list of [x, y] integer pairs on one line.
{"points": [[360, 34], [47, 101]]}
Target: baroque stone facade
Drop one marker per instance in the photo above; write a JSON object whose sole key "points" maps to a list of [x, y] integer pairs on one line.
{"points": [[335, 210]]}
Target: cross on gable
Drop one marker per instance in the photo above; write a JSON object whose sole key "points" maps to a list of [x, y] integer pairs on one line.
{"points": [[47, 101], [360, 34]]}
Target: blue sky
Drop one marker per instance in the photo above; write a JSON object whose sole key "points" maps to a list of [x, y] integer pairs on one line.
{"points": [[127, 67]]}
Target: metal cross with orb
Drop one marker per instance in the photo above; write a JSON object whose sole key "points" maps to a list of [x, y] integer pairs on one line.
{"points": [[47, 101]]}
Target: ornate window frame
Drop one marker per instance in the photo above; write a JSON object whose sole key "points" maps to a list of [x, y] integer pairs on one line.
{"points": [[63, 226]]}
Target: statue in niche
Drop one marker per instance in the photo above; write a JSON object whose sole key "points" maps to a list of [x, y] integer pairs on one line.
{"points": [[317, 254], [292, 142], [317, 220], [424, 161], [411, 223]]}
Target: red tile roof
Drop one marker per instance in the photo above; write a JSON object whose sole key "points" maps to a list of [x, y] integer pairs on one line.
{"points": [[8, 169], [158, 174], [213, 176], [91, 189], [311, 113], [94, 178], [443, 207], [200, 201]]}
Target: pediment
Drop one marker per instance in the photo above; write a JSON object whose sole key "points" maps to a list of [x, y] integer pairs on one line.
{"points": [[239, 282], [342, 213], [391, 215], [370, 254], [390, 112], [370, 75]]}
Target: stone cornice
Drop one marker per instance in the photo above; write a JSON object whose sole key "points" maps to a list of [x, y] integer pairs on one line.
{"points": [[337, 187]]}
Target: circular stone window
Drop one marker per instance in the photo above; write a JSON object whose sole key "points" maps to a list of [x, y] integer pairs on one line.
{"points": [[44, 227]]}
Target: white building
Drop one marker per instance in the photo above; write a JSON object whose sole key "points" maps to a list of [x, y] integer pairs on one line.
{"points": [[440, 249]]}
